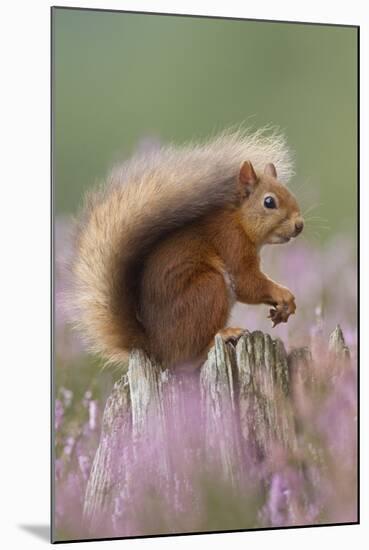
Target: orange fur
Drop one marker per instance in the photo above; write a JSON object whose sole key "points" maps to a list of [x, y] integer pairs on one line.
{"points": [[185, 297], [160, 260]]}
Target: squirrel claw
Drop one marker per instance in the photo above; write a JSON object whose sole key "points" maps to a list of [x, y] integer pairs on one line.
{"points": [[279, 314]]}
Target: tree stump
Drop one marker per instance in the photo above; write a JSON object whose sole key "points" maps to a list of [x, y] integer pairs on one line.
{"points": [[239, 402]]}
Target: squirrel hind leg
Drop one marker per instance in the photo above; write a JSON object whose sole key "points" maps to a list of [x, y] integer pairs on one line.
{"points": [[180, 326], [231, 334]]}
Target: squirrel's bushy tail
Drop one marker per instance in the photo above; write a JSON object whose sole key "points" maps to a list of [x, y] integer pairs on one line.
{"points": [[142, 201]]}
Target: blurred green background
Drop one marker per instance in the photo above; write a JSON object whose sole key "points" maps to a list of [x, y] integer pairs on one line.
{"points": [[122, 77]]}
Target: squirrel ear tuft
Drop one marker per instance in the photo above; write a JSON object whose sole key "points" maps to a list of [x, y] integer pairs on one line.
{"points": [[270, 170], [247, 177]]}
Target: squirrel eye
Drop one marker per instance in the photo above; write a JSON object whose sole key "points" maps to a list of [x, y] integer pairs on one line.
{"points": [[269, 202]]}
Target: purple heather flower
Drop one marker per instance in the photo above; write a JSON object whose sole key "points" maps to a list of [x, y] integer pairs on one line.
{"points": [[59, 413], [314, 482]]}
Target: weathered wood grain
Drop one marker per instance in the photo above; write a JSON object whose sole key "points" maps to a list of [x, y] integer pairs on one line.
{"points": [[241, 400]]}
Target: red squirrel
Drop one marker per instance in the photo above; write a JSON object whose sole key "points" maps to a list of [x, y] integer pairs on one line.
{"points": [[172, 240]]}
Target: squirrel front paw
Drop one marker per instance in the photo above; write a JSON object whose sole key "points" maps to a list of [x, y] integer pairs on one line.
{"points": [[285, 306]]}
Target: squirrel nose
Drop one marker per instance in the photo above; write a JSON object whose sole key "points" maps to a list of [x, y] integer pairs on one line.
{"points": [[299, 226]]}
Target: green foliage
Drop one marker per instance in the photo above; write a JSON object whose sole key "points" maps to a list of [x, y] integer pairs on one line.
{"points": [[122, 77]]}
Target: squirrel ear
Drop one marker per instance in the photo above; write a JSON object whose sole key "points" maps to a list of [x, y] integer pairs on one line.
{"points": [[270, 170], [247, 177]]}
